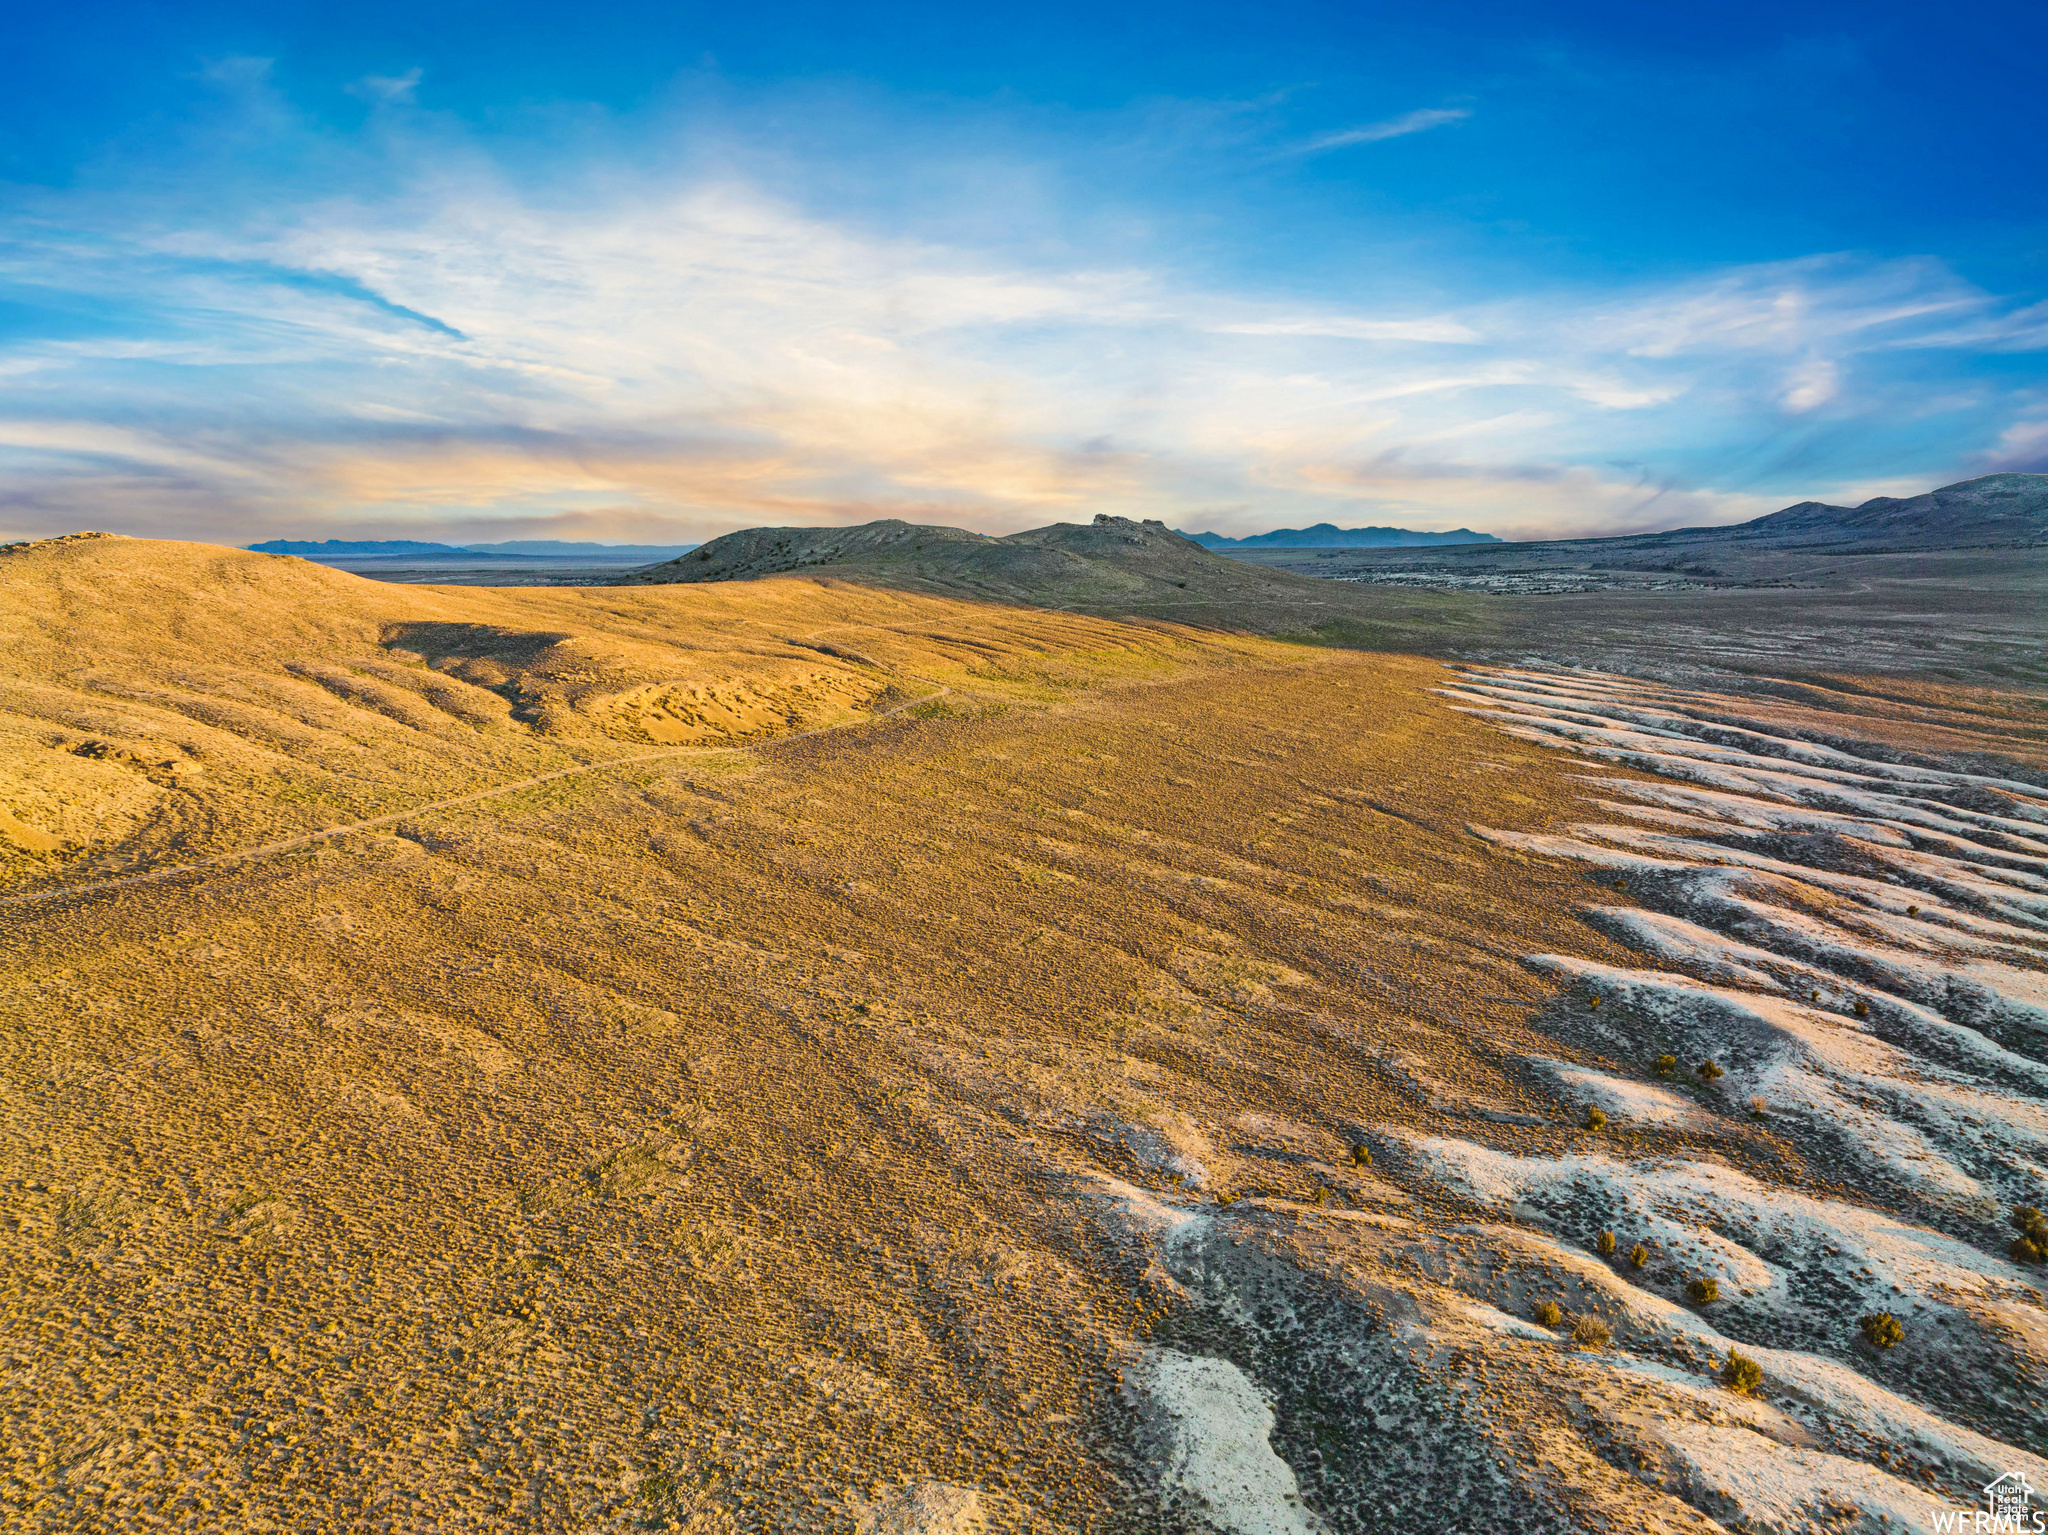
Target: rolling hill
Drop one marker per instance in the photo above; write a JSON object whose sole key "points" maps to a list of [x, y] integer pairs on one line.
{"points": [[797, 1055], [1998, 509], [1113, 566]]}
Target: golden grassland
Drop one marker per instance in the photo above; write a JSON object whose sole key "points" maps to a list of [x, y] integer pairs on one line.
{"points": [[690, 1142]]}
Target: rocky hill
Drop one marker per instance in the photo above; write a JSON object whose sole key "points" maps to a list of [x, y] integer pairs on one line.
{"points": [[1996, 509], [1111, 564]]}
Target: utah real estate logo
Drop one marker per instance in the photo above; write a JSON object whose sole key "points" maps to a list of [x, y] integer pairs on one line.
{"points": [[2008, 1510]]}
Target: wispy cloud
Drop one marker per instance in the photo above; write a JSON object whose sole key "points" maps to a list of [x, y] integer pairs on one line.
{"points": [[435, 343], [1351, 328], [1420, 121], [392, 89]]}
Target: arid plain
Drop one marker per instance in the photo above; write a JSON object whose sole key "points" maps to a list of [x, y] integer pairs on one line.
{"points": [[791, 1055]]}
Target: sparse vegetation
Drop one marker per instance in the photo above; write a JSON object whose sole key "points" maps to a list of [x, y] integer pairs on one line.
{"points": [[434, 1218], [1595, 1119], [1758, 1109], [1593, 1000], [1742, 1374], [2031, 1245], [1702, 1292], [1590, 1332], [1709, 1072], [1881, 1329], [1862, 1008]]}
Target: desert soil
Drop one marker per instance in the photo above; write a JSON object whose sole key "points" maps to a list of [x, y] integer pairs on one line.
{"points": [[917, 1064]]}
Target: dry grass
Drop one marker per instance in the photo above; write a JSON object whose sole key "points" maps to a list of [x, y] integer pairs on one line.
{"points": [[677, 1140], [690, 1138]]}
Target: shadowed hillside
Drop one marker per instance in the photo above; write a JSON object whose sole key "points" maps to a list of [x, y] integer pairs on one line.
{"points": [[178, 699], [1996, 511], [1143, 565], [1112, 566]]}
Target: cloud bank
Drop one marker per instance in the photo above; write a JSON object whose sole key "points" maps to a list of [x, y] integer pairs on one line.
{"points": [[418, 333]]}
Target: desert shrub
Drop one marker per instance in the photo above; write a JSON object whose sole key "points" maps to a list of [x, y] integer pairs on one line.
{"points": [[1321, 1195], [1666, 1064], [1595, 1120], [1742, 1373], [1881, 1329], [1912, 911], [1862, 1008], [1709, 1072], [1703, 1292], [1758, 1108], [1590, 1332], [1594, 1000], [1638, 1255], [1361, 1156], [1621, 884], [2031, 1246], [1605, 1244], [1549, 1313]]}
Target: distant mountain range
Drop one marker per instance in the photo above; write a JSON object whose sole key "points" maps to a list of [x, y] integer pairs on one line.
{"points": [[1995, 509], [1326, 535], [550, 549]]}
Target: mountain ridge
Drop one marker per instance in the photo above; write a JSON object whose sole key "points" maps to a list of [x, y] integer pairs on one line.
{"points": [[1326, 535], [516, 549], [1990, 508]]}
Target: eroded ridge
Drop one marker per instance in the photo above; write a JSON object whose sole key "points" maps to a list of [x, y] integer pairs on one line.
{"points": [[1846, 953]]}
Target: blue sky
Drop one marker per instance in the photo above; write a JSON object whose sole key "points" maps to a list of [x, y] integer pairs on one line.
{"points": [[655, 272]]}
